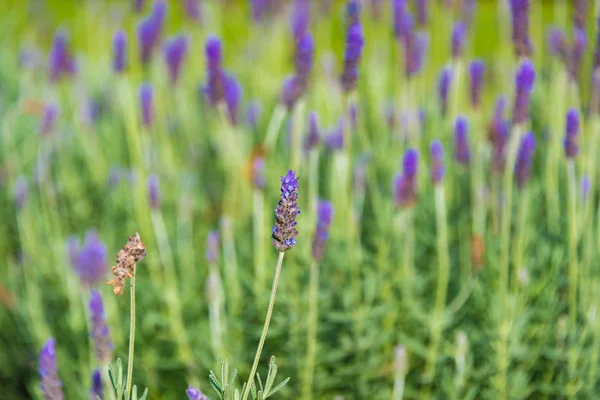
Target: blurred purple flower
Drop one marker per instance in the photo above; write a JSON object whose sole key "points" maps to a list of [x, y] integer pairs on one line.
{"points": [[284, 231], [120, 51], [300, 19], [415, 48], [410, 163], [580, 14], [524, 158], [557, 43], [96, 388], [233, 97], [571, 133], [212, 247], [253, 113], [422, 12], [258, 7], [520, 27], [586, 186], [352, 12], [579, 42], [459, 33], [524, 81], [499, 146], [49, 118], [354, 45], [289, 92], [149, 30], [335, 140], [154, 191], [258, 172], [195, 394], [403, 19], [193, 9], [60, 61], [92, 260], [313, 137], [147, 104], [21, 190], [476, 73], [444, 82], [353, 115], [437, 162], [215, 88], [175, 50], [405, 184], [100, 333], [462, 152], [324, 217], [51, 385]]}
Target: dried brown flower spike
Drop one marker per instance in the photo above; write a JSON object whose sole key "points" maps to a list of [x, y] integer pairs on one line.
{"points": [[134, 251]]}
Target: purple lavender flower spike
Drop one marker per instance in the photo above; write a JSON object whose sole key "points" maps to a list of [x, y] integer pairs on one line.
{"points": [[258, 173], [300, 19], [586, 186], [258, 7], [437, 162], [557, 43], [21, 190], [415, 48], [579, 42], [499, 146], [149, 30], [524, 81], [100, 333], [324, 217], [193, 9], [289, 92], [60, 61], [147, 104], [51, 385], [354, 45], [212, 247], [253, 111], [462, 152], [175, 50], [422, 12], [195, 394], [571, 133], [305, 49], [410, 163], [459, 33], [403, 20], [119, 51], [154, 191], [444, 82], [476, 73], [49, 118], [92, 260], [405, 184], [520, 27], [313, 137], [524, 158], [215, 88], [580, 14], [96, 389], [233, 97], [284, 231]]}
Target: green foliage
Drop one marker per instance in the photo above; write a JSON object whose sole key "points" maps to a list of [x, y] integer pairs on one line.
{"points": [[117, 380]]}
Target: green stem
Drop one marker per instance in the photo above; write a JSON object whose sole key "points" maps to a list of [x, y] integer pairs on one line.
{"points": [[297, 127], [519, 243], [274, 126], [313, 317], [572, 273], [263, 336], [131, 336]]}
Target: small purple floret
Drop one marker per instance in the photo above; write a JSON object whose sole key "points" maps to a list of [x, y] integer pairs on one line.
{"points": [[437, 162]]}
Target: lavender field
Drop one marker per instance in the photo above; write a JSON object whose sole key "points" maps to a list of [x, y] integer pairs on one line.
{"points": [[313, 199]]}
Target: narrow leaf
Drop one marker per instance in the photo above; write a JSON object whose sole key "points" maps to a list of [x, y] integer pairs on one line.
{"points": [[278, 388]]}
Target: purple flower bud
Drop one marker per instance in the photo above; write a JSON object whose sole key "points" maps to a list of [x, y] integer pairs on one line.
{"points": [[300, 19], [459, 33], [21, 190], [520, 27], [49, 118], [313, 138], [405, 184], [195, 394], [154, 191], [100, 333], [571, 133], [175, 50], [462, 152], [586, 186], [215, 88], [354, 45], [92, 260], [444, 82], [233, 97], [324, 217], [212, 247], [289, 93], [284, 231], [149, 30], [147, 104], [580, 14], [579, 41], [476, 73], [437, 162], [524, 158], [410, 163], [335, 139], [524, 80], [557, 43], [96, 388], [415, 47], [305, 48], [60, 61], [352, 12], [193, 9], [51, 385], [253, 113], [422, 12], [119, 51], [403, 20], [258, 172]]}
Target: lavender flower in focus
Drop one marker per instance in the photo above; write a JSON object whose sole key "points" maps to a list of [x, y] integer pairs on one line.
{"points": [[215, 88], [579, 41], [96, 389], [253, 111], [459, 33], [284, 231], [444, 82], [524, 80], [92, 260], [476, 73], [212, 247], [354, 45], [175, 50], [21, 190], [324, 216], [60, 61], [405, 184], [195, 394], [153, 191], [193, 9], [51, 385], [571, 133], [49, 118], [119, 51], [313, 137], [520, 27], [422, 12], [524, 158], [258, 172], [147, 104], [462, 152], [100, 333], [437, 162]]}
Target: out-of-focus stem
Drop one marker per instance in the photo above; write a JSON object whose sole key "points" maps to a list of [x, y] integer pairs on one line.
{"points": [[215, 305], [259, 243], [231, 266], [297, 129], [519, 243], [456, 87], [274, 127], [311, 331], [131, 335], [572, 274]]}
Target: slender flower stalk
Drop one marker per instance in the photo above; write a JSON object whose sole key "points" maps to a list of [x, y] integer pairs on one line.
{"points": [[284, 238], [400, 370], [51, 385]]}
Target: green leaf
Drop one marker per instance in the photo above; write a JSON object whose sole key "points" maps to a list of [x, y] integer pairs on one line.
{"points": [[233, 376], [277, 388], [214, 382], [228, 393], [259, 382], [134, 393], [145, 394], [224, 372], [271, 376]]}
